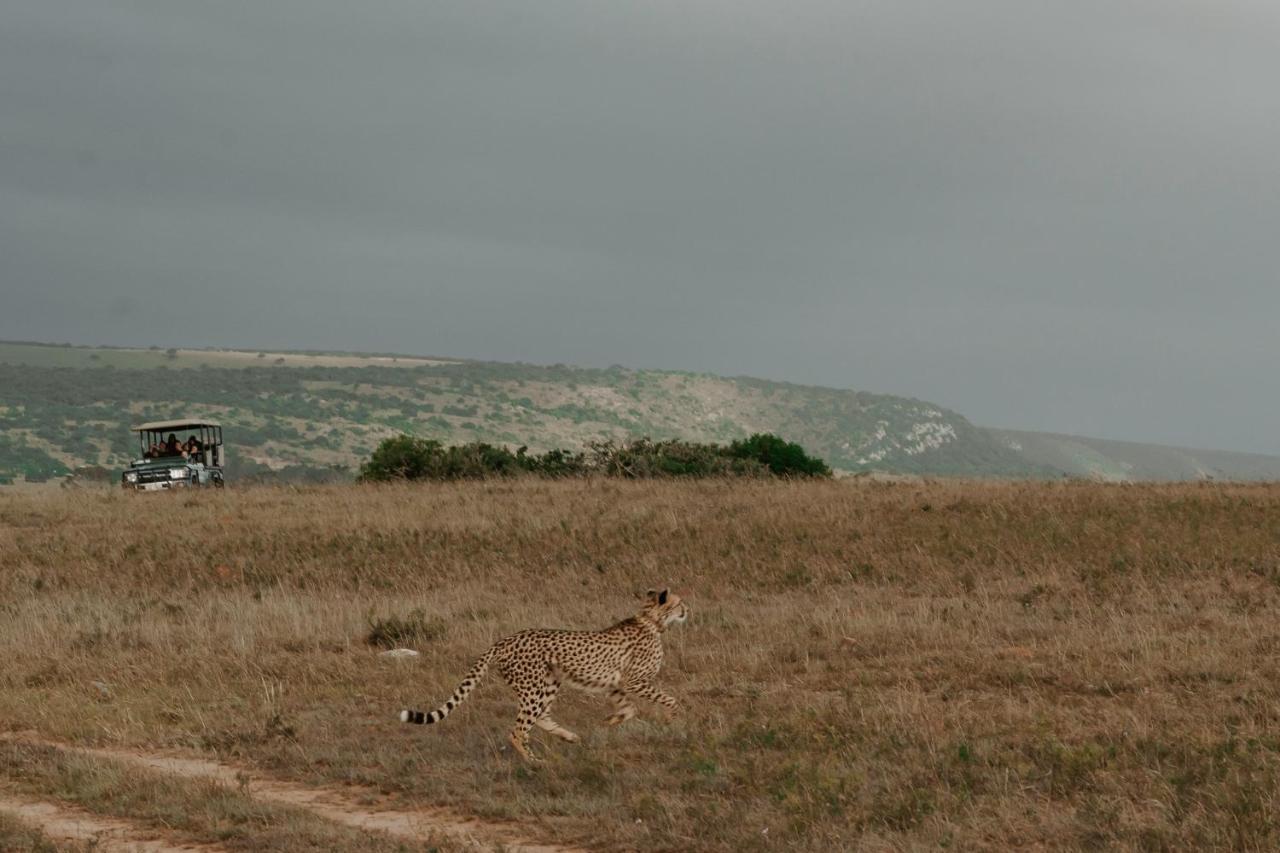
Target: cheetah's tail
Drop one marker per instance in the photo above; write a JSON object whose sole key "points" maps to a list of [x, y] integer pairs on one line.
{"points": [[464, 689]]}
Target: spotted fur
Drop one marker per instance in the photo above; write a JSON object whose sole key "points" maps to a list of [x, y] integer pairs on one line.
{"points": [[621, 661]]}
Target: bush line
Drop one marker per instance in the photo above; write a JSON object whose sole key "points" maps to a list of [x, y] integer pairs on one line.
{"points": [[410, 457]]}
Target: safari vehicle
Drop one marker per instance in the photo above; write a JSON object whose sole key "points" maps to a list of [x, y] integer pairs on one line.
{"points": [[175, 455]]}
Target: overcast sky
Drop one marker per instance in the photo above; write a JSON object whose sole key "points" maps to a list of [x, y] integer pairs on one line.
{"points": [[1046, 215]]}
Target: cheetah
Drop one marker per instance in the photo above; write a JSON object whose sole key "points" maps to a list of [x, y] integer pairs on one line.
{"points": [[620, 661]]}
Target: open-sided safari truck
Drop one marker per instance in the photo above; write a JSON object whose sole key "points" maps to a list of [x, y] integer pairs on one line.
{"points": [[176, 454]]}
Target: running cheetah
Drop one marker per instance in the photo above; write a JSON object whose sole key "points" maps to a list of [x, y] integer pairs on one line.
{"points": [[621, 661]]}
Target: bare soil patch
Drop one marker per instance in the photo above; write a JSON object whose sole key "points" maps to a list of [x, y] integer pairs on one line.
{"points": [[63, 823]]}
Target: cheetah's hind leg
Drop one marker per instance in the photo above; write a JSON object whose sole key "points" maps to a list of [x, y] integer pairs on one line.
{"points": [[534, 703], [624, 708]]}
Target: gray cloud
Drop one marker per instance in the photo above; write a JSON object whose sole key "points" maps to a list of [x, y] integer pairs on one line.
{"points": [[1050, 216]]}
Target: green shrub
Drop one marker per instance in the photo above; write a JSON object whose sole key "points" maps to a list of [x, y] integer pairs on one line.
{"points": [[404, 457], [643, 458], [553, 463], [782, 458], [407, 457]]}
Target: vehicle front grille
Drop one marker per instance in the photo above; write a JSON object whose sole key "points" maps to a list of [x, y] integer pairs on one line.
{"points": [[158, 476]]}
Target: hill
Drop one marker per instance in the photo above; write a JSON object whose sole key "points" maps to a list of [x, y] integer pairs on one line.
{"points": [[311, 415], [63, 407], [1120, 461]]}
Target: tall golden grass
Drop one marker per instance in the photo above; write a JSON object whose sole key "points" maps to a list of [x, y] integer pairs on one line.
{"points": [[868, 665]]}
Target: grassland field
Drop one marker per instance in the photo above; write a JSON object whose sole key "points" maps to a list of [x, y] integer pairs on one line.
{"points": [[868, 665]]}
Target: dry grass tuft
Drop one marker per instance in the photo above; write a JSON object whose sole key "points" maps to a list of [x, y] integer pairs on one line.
{"points": [[975, 665], [17, 837], [413, 629]]}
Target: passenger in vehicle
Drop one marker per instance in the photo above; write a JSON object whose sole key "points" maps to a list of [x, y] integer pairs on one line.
{"points": [[192, 448], [172, 447]]}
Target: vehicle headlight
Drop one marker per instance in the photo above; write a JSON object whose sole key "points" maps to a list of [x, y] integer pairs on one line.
{"points": [[130, 477], [177, 473]]}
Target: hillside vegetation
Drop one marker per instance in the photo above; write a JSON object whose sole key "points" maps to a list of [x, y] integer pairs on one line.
{"points": [[868, 665], [66, 407], [319, 416]]}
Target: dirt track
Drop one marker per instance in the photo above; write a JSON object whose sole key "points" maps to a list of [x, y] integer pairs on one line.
{"points": [[63, 823], [340, 805]]}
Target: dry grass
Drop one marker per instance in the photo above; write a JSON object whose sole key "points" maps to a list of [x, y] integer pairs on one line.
{"points": [[868, 665], [190, 812]]}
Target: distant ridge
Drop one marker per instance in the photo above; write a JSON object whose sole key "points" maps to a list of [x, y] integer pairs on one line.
{"points": [[1124, 461]]}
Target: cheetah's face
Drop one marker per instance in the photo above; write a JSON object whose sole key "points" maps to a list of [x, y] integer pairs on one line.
{"points": [[666, 608]]}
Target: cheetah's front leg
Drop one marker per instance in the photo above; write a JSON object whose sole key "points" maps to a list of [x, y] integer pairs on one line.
{"points": [[550, 726], [666, 701]]}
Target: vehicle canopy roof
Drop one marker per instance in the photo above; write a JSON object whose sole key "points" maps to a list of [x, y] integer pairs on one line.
{"points": [[175, 426]]}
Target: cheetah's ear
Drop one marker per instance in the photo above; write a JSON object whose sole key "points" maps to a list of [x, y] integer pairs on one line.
{"points": [[662, 596], [652, 595]]}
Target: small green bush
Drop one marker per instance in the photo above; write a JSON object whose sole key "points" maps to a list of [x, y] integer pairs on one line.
{"points": [[404, 457], [782, 458]]}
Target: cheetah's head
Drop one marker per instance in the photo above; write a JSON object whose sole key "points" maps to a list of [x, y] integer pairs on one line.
{"points": [[665, 608]]}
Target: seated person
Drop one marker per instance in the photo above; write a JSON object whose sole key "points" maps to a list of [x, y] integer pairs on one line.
{"points": [[192, 448], [172, 447]]}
